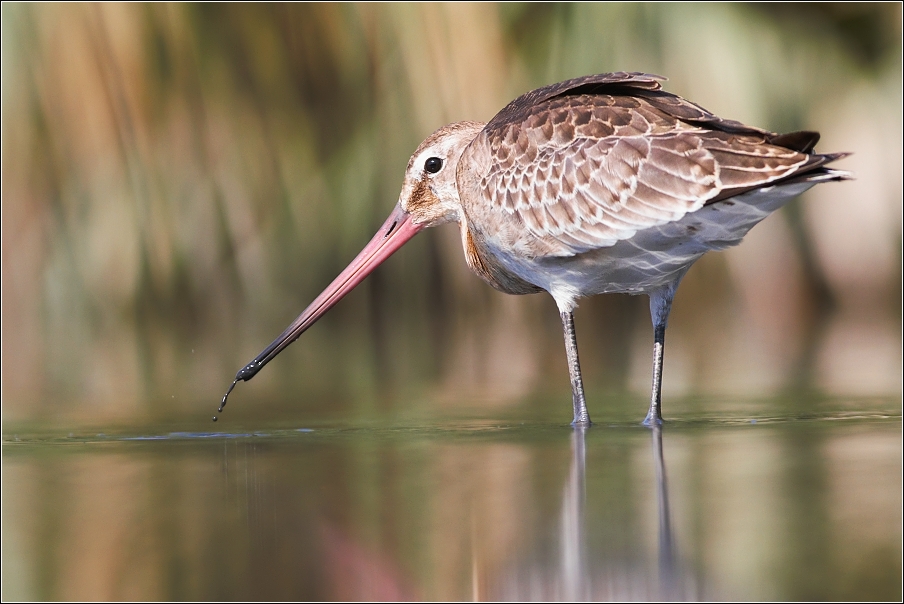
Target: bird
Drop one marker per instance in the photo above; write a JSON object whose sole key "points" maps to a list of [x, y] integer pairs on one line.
{"points": [[598, 184]]}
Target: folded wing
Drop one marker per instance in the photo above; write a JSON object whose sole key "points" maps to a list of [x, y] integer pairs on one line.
{"points": [[589, 162]]}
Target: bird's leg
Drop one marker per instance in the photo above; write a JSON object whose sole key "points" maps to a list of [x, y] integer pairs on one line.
{"points": [[581, 417], [660, 306], [654, 415]]}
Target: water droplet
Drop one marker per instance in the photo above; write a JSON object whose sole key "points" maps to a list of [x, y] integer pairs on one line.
{"points": [[214, 418]]}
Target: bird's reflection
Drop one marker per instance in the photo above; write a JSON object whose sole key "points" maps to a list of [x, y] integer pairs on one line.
{"points": [[579, 574], [667, 583], [578, 577], [574, 544]]}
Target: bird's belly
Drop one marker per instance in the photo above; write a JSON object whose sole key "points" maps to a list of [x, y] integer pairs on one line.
{"points": [[656, 256]]}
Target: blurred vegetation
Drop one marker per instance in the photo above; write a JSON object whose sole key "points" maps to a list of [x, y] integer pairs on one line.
{"points": [[180, 180]]}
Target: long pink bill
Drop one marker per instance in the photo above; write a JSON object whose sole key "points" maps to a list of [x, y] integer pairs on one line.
{"points": [[397, 229]]}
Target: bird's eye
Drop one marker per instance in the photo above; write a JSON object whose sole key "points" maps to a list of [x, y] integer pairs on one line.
{"points": [[433, 165]]}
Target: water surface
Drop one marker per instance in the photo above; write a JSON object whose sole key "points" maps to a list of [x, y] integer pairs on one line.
{"points": [[733, 500]]}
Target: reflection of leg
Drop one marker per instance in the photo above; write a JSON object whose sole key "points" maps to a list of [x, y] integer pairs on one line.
{"points": [[574, 556], [667, 585], [581, 417]]}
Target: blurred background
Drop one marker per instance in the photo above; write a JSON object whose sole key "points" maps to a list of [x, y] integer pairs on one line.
{"points": [[180, 181]]}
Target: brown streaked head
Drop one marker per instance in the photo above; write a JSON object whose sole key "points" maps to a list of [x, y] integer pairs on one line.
{"points": [[430, 191]]}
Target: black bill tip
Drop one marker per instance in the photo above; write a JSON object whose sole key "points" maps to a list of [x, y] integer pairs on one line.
{"points": [[225, 396], [248, 371]]}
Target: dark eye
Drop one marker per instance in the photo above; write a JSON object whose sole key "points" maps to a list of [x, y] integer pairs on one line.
{"points": [[433, 165]]}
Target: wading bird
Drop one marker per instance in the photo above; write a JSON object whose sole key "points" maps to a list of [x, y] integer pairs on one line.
{"points": [[600, 184]]}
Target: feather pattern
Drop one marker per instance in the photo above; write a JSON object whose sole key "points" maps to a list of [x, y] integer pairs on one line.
{"points": [[586, 163], [563, 186]]}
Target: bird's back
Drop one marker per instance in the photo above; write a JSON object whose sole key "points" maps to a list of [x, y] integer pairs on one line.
{"points": [[608, 181]]}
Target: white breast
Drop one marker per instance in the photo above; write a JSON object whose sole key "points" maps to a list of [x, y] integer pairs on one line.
{"points": [[655, 256]]}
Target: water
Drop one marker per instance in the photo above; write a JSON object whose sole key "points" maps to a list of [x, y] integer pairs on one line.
{"points": [[729, 501]]}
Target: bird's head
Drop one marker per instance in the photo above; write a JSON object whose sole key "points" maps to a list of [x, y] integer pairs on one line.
{"points": [[429, 197], [430, 192]]}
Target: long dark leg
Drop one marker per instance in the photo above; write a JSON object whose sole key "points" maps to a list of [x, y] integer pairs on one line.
{"points": [[660, 306], [581, 417], [654, 415]]}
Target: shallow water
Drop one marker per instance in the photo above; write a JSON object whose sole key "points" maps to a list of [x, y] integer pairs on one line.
{"points": [[728, 501]]}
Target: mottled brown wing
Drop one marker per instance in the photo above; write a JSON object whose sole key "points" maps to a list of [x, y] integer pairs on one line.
{"points": [[583, 171], [516, 111]]}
